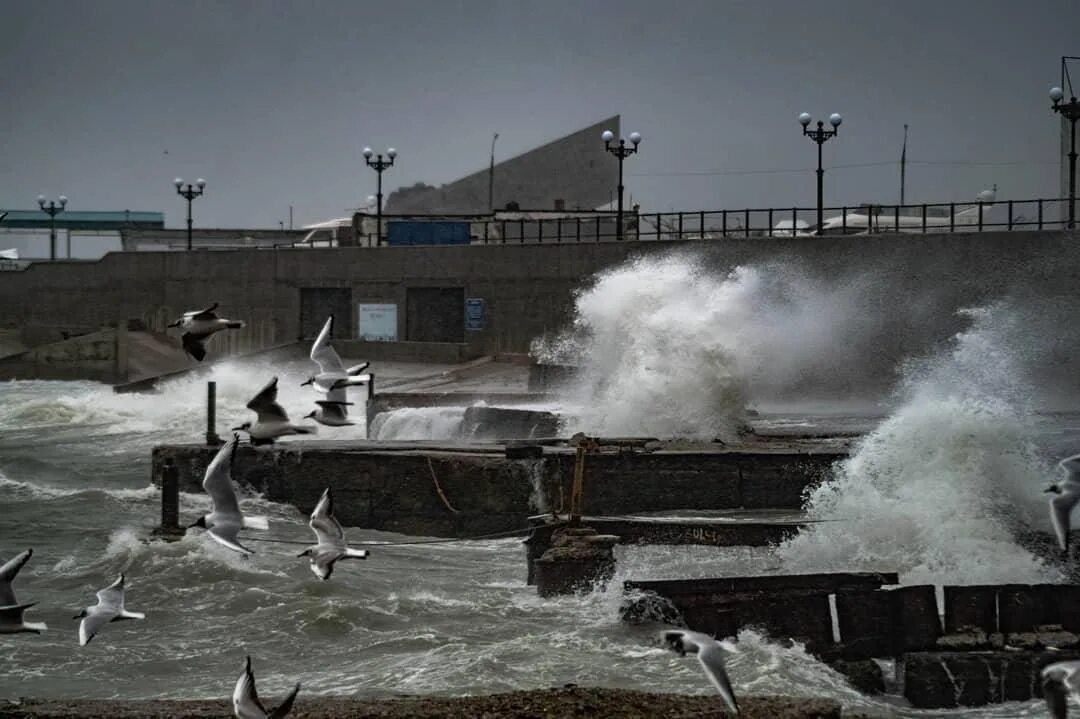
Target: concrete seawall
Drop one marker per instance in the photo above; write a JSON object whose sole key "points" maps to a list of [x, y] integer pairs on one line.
{"points": [[528, 289], [424, 488]]}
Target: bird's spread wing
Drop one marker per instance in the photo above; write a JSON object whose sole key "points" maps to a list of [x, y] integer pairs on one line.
{"points": [[265, 405], [95, 619], [327, 529], [711, 657], [7, 575], [358, 368], [336, 395], [1061, 506], [245, 698], [1056, 698], [207, 314], [14, 614], [218, 479], [112, 596], [323, 354], [193, 345], [227, 534], [286, 706]]}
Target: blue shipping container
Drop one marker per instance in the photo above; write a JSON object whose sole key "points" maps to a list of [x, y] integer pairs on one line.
{"points": [[427, 233]]}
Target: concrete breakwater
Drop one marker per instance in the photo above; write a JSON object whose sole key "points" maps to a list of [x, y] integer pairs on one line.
{"points": [[447, 489]]}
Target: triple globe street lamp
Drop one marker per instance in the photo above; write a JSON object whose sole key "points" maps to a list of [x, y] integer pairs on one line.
{"points": [[621, 151], [1070, 111], [820, 135], [52, 209], [379, 164], [189, 193]]}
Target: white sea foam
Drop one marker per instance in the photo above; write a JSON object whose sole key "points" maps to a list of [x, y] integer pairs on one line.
{"points": [[936, 491], [418, 423]]}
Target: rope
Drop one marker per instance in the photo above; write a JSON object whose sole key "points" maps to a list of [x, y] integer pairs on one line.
{"points": [[438, 488], [495, 535]]}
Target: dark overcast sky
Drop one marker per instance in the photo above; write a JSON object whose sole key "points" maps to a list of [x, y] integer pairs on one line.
{"points": [[272, 101]]}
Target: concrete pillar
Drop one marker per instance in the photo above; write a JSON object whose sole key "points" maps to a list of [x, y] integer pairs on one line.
{"points": [[578, 559], [170, 503], [120, 360]]}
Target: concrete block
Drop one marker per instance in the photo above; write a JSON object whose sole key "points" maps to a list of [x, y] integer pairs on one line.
{"points": [[863, 674], [1023, 607], [867, 622], [971, 608], [1066, 601], [917, 617], [804, 617], [977, 678], [568, 576], [712, 621]]}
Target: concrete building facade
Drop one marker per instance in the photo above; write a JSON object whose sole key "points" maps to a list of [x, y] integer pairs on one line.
{"points": [[574, 171]]}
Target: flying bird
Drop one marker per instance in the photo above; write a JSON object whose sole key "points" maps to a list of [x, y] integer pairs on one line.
{"points": [[1066, 494], [332, 373], [11, 612], [109, 608], [272, 421], [330, 545], [225, 520], [709, 654], [246, 704], [332, 411], [1059, 680], [198, 325]]}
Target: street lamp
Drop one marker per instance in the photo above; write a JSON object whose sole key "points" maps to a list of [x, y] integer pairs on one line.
{"points": [[189, 193], [379, 164], [1070, 111], [621, 151], [820, 135], [52, 209]]}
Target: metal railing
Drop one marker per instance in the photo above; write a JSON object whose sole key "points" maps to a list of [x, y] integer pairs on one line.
{"points": [[1007, 215]]}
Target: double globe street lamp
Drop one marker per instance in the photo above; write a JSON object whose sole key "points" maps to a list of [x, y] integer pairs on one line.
{"points": [[621, 151], [189, 193], [1070, 111], [52, 209], [379, 164], [820, 135]]}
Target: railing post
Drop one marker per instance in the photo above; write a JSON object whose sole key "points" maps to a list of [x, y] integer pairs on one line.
{"points": [[924, 218], [558, 230], [1040, 214], [598, 228], [539, 232], [658, 218], [1010, 215], [794, 221], [980, 216], [701, 220], [521, 229], [504, 232], [212, 438], [843, 221], [770, 222], [952, 217], [680, 226], [578, 227], [723, 223], [486, 231], [746, 222], [896, 215]]}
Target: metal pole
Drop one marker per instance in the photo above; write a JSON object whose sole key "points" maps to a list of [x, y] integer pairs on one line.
{"points": [[378, 205], [52, 235], [212, 438], [491, 176], [189, 199], [820, 190], [1072, 173], [618, 228]]}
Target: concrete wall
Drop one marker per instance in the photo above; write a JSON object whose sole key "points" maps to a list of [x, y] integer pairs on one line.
{"points": [[101, 356], [575, 168], [912, 286]]}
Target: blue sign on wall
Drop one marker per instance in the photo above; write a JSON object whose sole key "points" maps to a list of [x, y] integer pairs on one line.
{"points": [[474, 313], [401, 232]]}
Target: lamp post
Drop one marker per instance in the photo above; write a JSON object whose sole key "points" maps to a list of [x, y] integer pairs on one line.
{"points": [[379, 164], [1070, 111], [820, 135], [621, 151], [491, 175], [189, 193], [52, 209]]}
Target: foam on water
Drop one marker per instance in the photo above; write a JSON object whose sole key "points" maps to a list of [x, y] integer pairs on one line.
{"points": [[936, 491]]}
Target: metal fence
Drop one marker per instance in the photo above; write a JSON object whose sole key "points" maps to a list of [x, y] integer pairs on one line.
{"points": [[1008, 215]]}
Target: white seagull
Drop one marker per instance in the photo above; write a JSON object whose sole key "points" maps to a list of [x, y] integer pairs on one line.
{"points": [[332, 373], [198, 325], [272, 420], [225, 521], [1058, 681], [110, 608], [246, 704], [1066, 494], [11, 612], [330, 539], [710, 654], [332, 411]]}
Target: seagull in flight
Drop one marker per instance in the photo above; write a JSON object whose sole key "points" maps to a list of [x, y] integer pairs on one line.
{"points": [[272, 420], [332, 411], [11, 612], [246, 704], [330, 539], [710, 653], [109, 608], [332, 373], [225, 521], [1066, 494], [1059, 680], [198, 325]]}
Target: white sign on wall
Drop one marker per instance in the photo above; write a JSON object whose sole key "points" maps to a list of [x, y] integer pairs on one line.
{"points": [[377, 323]]}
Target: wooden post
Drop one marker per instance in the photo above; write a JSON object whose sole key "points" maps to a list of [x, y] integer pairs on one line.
{"points": [[212, 438], [170, 528]]}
